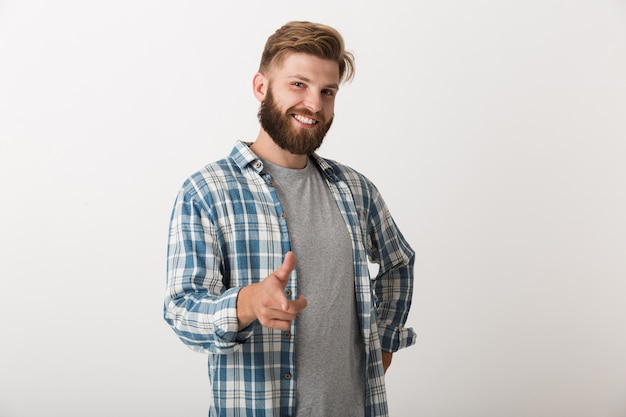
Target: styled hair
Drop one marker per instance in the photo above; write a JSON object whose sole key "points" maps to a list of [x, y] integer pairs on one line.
{"points": [[310, 38]]}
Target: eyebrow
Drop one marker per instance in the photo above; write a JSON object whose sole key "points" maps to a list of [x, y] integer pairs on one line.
{"points": [[308, 80]]}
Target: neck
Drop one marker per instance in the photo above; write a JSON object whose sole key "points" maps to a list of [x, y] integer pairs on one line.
{"points": [[265, 148]]}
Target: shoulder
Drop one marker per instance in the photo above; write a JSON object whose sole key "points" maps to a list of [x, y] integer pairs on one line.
{"points": [[223, 174], [211, 184], [353, 178]]}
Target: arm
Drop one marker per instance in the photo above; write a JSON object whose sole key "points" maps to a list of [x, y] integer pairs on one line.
{"points": [[205, 313], [201, 310], [386, 356], [393, 285]]}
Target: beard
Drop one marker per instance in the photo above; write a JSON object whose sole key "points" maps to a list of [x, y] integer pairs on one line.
{"points": [[278, 125]]}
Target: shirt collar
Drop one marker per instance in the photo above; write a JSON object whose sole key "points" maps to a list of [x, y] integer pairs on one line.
{"points": [[244, 157]]}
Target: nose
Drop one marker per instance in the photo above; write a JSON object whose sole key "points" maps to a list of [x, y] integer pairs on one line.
{"points": [[313, 102]]}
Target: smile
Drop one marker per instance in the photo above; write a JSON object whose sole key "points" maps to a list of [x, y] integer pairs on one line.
{"points": [[305, 120]]}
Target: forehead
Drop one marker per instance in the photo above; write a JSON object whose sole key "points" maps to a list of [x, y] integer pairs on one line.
{"points": [[324, 71]]}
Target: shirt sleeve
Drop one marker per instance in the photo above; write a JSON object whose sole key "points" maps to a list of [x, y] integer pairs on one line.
{"points": [[198, 306], [393, 285]]}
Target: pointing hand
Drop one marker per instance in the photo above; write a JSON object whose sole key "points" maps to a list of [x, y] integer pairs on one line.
{"points": [[267, 302]]}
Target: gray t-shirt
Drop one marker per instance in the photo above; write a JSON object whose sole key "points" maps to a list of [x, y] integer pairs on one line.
{"points": [[330, 359]]}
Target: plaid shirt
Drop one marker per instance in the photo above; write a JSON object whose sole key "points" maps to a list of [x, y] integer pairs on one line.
{"points": [[227, 231]]}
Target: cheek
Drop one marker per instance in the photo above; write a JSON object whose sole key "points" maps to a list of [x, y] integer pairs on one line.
{"points": [[287, 101], [287, 106], [329, 110]]}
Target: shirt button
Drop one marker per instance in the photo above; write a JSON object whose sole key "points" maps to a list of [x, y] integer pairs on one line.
{"points": [[288, 293], [271, 183], [283, 215], [258, 164], [287, 335], [287, 375]]}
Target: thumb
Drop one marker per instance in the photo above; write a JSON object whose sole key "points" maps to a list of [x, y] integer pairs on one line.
{"points": [[285, 269]]}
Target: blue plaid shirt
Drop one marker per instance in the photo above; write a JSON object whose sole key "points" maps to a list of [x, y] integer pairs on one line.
{"points": [[227, 231]]}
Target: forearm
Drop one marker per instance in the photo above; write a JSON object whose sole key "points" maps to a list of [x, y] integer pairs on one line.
{"points": [[394, 294], [387, 357], [205, 323], [198, 306], [393, 285]]}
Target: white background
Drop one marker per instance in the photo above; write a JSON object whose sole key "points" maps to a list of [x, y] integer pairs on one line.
{"points": [[496, 131]]}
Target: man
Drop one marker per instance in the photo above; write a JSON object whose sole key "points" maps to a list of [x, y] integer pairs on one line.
{"points": [[268, 248]]}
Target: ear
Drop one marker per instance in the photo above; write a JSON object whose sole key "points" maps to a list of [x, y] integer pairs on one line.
{"points": [[259, 86]]}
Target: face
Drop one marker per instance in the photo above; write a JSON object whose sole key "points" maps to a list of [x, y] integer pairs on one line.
{"points": [[299, 102]]}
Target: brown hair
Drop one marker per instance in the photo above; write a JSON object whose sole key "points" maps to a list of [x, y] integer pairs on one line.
{"points": [[310, 38]]}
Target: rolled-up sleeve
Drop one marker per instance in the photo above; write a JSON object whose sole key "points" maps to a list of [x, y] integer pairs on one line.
{"points": [[393, 285]]}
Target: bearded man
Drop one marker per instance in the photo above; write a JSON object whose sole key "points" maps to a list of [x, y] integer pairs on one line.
{"points": [[268, 254]]}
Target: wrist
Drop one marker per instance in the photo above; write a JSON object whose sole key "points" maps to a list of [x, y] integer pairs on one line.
{"points": [[245, 313]]}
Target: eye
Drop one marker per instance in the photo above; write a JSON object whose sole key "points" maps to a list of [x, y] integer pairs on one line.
{"points": [[328, 92], [298, 84]]}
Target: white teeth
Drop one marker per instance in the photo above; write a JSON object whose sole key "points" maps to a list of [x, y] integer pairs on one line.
{"points": [[303, 119]]}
